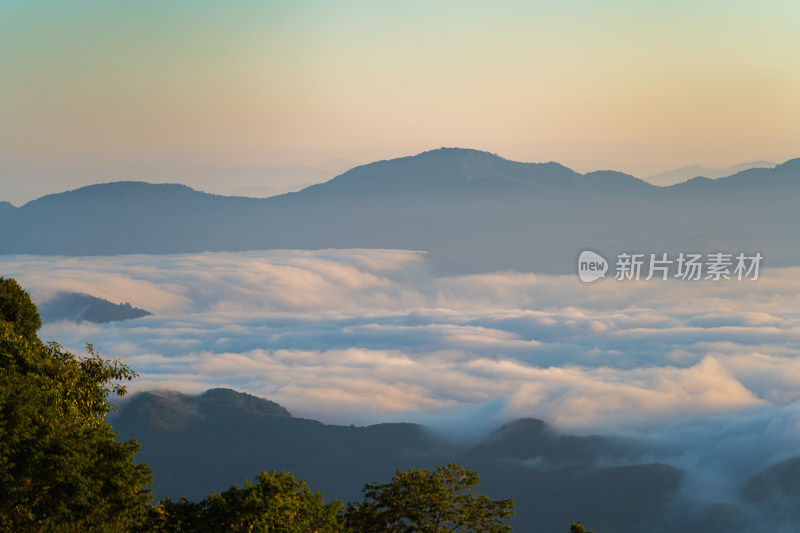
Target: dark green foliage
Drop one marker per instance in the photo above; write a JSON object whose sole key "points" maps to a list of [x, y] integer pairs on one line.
{"points": [[576, 527], [414, 501], [61, 467], [17, 309], [429, 502], [276, 502]]}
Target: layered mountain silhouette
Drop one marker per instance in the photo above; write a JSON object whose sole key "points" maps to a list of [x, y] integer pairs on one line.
{"points": [[678, 175], [472, 211], [199, 444]]}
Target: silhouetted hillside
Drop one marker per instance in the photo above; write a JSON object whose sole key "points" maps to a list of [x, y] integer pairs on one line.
{"points": [[533, 440], [776, 489], [199, 444], [202, 443], [78, 307], [679, 175], [471, 210]]}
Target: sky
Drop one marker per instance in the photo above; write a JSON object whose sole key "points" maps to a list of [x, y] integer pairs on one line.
{"points": [[236, 91]]}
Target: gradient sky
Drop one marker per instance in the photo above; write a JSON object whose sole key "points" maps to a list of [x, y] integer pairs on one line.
{"points": [[638, 86]]}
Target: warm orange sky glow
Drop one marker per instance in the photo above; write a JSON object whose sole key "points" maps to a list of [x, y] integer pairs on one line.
{"points": [[635, 86]]}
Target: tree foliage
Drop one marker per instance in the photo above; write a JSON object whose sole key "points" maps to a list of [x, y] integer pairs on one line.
{"points": [[17, 309], [275, 503], [429, 502], [576, 527], [61, 467]]}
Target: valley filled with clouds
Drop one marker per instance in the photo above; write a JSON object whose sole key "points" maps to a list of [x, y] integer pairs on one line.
{"points": [[707, 372]]}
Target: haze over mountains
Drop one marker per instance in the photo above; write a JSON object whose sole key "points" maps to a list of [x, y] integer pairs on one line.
{"points": [[199, 444], [679, 175], [471, 210], [252, 181]]}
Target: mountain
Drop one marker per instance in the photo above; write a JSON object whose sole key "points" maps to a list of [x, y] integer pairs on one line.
{"points": [[77, 307], [776, 489], [199, 444], [528, 439], [234, 180], [679, 175], [471, 211]]}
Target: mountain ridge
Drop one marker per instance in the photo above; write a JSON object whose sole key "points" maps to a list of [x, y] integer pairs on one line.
{"points": [[472, 212], [202, 443], [362, 174], [679, 175], [472, 172], [484, 167]]}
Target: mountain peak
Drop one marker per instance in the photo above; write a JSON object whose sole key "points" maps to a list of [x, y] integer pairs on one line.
{"points": [[226, 400], [174, 411], [473, 155], [116, 197], [128, 188], [445, 171], [448, 151], [528, 426]]}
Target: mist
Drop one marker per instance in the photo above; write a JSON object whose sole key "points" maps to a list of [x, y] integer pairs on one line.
{"points": [[706, 373]]}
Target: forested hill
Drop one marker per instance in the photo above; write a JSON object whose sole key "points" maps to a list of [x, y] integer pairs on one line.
{"points": [[199, 444]]}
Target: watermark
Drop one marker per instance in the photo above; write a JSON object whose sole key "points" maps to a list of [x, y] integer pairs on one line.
{"points": [[591, 266], [686, 266]]}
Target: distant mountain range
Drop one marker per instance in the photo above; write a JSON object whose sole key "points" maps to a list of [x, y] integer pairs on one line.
{"points": [[199, 444], [472, 211], [679, 175]]}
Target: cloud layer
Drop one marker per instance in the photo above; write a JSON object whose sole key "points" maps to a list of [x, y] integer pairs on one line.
{"points": [[366, 335]]}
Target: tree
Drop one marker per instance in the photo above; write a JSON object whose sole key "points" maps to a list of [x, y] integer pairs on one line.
{"points": [[276, 503], [61, 467], [576, 527], [17, 309], [429, 502]]}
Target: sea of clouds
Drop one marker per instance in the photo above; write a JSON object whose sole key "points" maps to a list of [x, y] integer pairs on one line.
{"points": [[710, 369]]}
